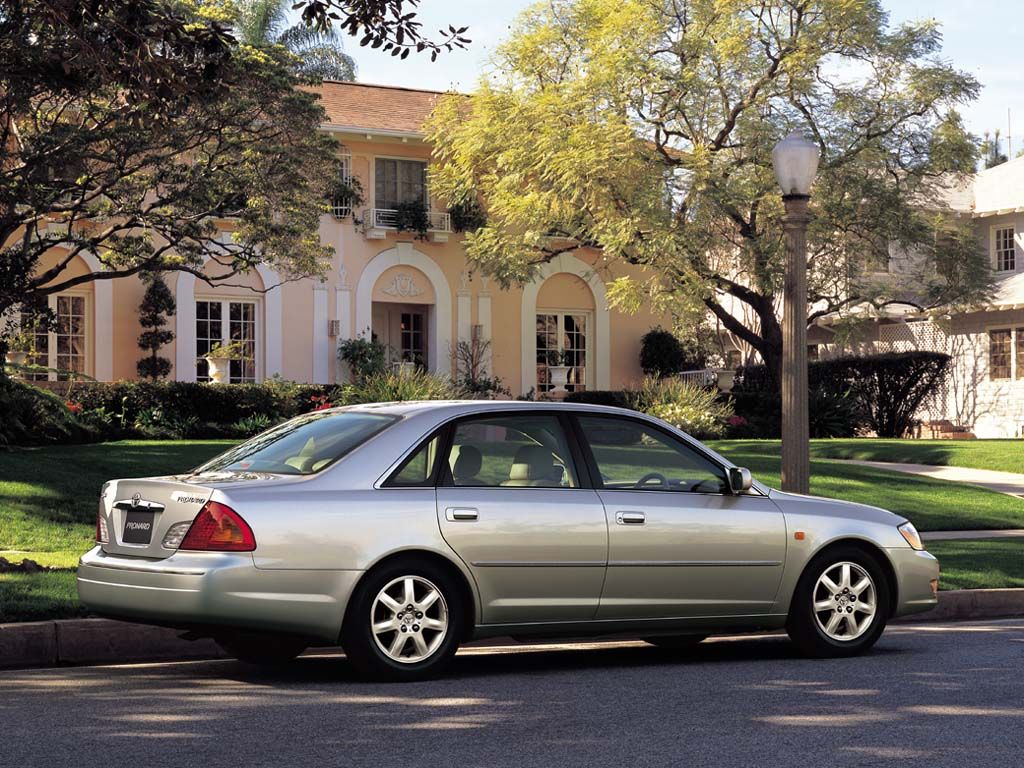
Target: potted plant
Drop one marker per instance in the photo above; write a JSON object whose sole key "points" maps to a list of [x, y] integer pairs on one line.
{"points": [[218, 359], [559, 365], [19, 347]]}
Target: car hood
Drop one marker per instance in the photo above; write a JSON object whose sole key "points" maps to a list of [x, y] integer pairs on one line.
{"points": [[818, 505]]}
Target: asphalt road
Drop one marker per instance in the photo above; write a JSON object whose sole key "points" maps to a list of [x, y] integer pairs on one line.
{"points": [[929, 695]]}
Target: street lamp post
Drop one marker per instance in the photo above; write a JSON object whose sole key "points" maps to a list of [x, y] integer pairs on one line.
{"points": [[796, 162]]}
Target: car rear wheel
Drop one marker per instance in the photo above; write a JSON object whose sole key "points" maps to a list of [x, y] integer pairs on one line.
{"points": [[261, 648], [404, 622], [841, 604], [676, 642]]}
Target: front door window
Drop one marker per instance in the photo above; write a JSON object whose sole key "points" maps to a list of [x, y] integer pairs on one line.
{"points": [[412, 332], [224, 322], [562, 341]]}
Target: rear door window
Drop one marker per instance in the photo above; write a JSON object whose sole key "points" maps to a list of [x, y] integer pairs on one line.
{"points": [[528, 451]]}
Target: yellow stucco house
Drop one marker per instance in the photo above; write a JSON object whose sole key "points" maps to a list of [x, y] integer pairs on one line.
{"points": [[419, 296]]}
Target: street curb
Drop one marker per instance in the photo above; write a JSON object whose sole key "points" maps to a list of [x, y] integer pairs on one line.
{"points": [[68, 642]]}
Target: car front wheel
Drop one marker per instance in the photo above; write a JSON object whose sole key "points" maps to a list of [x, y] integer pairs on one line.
{"points": [[841, 604], [404, 622]]}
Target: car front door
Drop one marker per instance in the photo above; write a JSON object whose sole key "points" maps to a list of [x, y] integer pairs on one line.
{"points": [[512, 505], [680, 543]]}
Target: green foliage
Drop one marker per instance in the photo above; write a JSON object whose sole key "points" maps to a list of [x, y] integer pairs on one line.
{"points": [[235, 350], [157, 306], [991, 152], [467, 216], [144, 139], [346, 193], [161, 424], [411, 216], [646, 127], [832, 414], [365, 356], [33, 416], [388, 386], [695, 410], [662, 354], [251, 425]]}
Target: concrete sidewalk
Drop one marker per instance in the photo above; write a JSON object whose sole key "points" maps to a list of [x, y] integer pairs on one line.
{"points": [[1009, 483]]}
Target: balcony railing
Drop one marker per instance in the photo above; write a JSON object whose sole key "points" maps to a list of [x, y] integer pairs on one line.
{"points": [[378, 219]]}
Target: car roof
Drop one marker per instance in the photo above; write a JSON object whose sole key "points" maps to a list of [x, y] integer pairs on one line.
{"points": [[410, 407]]}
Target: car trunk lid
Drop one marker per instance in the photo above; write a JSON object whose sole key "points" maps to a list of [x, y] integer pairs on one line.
{"points": [[139, 512]]}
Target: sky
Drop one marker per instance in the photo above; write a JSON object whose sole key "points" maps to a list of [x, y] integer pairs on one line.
{"points": [[981, 37]]}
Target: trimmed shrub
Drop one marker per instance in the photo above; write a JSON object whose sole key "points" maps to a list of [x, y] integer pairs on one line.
{"points": [[614, 397], [33, 416], [661, 353], [698, 411], [394, 387]]}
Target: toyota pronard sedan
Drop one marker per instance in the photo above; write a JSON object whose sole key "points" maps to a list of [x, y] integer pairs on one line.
{"points": [[402, 530]]}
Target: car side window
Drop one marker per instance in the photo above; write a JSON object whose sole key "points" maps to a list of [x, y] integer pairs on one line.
{"points": [[418, 470], [631, 455], [529, 451]]}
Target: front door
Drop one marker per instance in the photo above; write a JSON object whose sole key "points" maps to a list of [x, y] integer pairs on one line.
{"points": [[512, 507], [403, 329], [680, 544]]}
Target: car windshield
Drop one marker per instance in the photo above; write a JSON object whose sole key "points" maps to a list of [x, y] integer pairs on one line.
{"points": [[303, 445]]}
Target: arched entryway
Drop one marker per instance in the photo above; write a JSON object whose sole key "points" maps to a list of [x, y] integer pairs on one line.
{"points": [[404, 287]]}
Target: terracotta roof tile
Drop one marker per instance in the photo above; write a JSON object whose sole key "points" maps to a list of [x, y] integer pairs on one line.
{"points": [[376, 107]]}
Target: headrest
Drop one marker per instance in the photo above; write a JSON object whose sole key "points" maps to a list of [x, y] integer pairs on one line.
{"points": [[532, 462], [466, 461]]}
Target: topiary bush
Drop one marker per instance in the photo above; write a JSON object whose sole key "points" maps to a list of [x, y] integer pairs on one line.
{"points": [[661, 353]]}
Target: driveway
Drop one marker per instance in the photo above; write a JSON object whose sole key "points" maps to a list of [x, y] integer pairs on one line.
{"points": [[929, 695]]}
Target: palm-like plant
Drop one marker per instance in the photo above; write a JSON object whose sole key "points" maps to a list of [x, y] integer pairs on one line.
{"points": [[321, 54]]}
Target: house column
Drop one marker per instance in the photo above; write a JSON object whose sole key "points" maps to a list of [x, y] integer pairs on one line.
{"points": [[463, 311], [185, 328], [321, 342], [343, 313], [103, 317], [483, 319]]}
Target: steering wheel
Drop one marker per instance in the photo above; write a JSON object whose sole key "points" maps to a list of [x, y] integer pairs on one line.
{"points": [[662, 480]]}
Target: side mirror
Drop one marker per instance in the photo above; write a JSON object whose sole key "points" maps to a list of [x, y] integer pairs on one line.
{"points": [[740, 479]]}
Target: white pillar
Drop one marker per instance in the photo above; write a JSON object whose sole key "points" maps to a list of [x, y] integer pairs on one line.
{"points": [[483, 319], [321, 342], [103, 318], [185, 328], [463, 312], [272, 321], [343, 313]]}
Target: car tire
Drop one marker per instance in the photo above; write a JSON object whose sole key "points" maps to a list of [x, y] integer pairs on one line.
{"points": [[261, 648], [385, 639], [829, 616], [676, 642]]}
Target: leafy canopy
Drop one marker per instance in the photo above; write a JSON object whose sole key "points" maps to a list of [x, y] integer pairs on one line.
{"points": [[645, 127]]}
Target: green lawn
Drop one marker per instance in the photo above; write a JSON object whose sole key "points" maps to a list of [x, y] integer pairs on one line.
{"points": [[932, 505], [980, 564], [1001, 455], [48, 502]]}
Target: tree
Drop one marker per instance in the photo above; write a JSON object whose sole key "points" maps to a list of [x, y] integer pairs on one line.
{"points": [[644, 128], [156, 307], [320, 52], [127, 130], [990, 150]]}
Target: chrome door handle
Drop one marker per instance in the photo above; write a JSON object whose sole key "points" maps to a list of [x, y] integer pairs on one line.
{"points": [[461, 514], [630, 518]]}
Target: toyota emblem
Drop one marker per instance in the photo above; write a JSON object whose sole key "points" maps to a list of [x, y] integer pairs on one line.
{"points": [[136, 498]]}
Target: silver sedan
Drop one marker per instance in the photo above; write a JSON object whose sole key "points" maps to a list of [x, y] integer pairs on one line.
{"points": [[401, 530]]}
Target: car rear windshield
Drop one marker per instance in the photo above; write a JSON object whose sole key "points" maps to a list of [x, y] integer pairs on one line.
{"points": [[302, 446]]}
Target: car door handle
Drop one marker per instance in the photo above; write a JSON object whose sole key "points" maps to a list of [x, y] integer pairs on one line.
{"points": [[461, 514], [630, 518]]}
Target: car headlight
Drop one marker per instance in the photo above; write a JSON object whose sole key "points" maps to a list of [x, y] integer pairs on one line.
{"points": [[909, 532]]}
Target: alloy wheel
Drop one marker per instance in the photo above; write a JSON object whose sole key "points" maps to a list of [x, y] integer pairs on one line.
{"points": [[844, 601], [409, 619]]}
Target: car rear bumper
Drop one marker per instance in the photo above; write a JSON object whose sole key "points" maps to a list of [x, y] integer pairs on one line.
{"points": [[915, 573], [194, 589]]}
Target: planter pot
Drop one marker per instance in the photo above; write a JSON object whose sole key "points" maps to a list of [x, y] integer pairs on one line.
{"points": [[726, 378], [17, 358], [559, 377], [406, 368], [219, 368]]}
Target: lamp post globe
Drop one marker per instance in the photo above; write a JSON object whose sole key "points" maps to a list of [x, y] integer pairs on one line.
{"points": [[795, 160]]}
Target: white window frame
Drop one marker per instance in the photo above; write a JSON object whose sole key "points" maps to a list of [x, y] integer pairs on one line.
{"points": [[225, 326], [1016, 336], [1011, 253], [345, 173], [51, 344], [373, 178], [591, 353]]}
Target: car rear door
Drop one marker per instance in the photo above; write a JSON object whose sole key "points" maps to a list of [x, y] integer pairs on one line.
{"points": [[680, 543], [513, 506]]}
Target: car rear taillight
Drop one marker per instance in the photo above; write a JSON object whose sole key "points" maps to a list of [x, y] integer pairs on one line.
{"points": [[102, 536], [218, 528]]}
